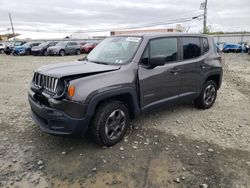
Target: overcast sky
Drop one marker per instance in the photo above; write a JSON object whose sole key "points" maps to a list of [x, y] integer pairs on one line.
{"points": [[81, 14]]}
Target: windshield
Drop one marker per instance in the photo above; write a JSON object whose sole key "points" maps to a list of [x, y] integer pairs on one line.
{"points": [[62, 43], [27, 44], [43, 44], [115, 50]]}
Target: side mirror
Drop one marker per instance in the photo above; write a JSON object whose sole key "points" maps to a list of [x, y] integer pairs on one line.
{"points": [[157, 61]]}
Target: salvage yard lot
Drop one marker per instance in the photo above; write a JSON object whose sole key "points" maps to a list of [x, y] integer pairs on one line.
{"points": [[176, 147]]}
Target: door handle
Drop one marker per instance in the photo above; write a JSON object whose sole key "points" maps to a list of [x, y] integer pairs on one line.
{"points": [[175, 71], [203, 65]]}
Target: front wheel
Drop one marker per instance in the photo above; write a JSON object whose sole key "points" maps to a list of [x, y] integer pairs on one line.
{"points": [[62, 53], [45, 53], [110, 123], [207, 96], [28, 52]]}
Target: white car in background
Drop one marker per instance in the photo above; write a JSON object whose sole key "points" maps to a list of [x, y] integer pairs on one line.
{"points": [[2, 47]]}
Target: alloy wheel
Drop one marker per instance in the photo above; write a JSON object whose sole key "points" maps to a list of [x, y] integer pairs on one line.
{"points": [[209, 94], [115, 124]]}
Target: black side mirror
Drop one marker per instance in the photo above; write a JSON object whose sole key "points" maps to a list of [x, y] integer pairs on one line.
{"points": [[157, 61]]}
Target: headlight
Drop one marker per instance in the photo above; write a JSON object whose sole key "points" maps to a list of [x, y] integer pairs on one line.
{"points": [[61, 89]]}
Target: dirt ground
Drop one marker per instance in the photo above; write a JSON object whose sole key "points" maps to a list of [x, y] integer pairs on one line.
{"points": [[178, 147]]}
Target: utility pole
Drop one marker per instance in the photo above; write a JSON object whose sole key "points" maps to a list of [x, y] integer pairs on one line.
{"points": [[205, 17], [11, 25]]}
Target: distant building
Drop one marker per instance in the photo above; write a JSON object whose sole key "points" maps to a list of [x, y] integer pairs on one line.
{"points": [[178, 28], [79, 35], [6, 37]]}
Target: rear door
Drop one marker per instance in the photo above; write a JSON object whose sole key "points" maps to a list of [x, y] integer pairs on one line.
{"points": [[160, 84], [193, 66], [68, 48]]}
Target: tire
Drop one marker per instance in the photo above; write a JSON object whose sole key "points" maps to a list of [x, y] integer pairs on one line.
{"points": [[207, 96], [1, 51], [27, 52], [78, 52], [45, 53], [112, 114], [62, 53]]}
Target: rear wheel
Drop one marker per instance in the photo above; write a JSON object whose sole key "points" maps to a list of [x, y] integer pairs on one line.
{"points": [[110, 123], [62, 53], [1, 51], [27, 52], [207, 96], [45, 53]]}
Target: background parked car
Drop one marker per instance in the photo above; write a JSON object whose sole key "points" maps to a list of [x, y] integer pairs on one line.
{"points": [[64, 48], [42, 48], [88, 47], [81, 45], [236, 48], [25, 49], [2, 47], [10, 46]]}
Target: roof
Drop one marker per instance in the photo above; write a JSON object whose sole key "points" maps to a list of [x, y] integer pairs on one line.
{"points": [[156, 35]]}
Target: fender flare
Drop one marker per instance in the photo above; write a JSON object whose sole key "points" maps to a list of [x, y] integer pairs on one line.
{"points": [[214, 73], [96, 99]]}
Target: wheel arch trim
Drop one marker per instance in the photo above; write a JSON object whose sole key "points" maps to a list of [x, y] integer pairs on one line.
{"points": [[114, 93]]}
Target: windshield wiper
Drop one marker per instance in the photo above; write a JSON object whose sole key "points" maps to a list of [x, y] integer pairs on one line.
{"points": [[99, 62], [83, 59]]}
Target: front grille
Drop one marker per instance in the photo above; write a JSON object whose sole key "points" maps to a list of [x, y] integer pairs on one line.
{"points": [[47, 82]]}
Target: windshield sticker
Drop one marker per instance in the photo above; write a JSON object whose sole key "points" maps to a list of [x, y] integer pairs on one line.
{"points": [[133, 39]]}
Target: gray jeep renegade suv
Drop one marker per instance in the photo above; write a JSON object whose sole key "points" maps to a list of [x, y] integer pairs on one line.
{"points": [[122, 77]]}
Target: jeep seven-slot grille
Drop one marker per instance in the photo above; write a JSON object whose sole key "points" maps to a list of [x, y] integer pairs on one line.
{"points": [[47, 82]]}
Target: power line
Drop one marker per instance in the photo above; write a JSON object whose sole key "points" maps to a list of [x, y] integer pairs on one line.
{"points": [[11, 25], [145, 25]]}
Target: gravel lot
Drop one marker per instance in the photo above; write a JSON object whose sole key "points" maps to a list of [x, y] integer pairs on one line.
{"points": [[178, 147]]}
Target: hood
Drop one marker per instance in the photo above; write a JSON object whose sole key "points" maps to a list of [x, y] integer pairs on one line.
{"points": [[19, 47], [53, 47], [76, 68]]}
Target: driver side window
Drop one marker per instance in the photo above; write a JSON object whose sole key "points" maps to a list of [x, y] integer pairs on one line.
{"points": [[166, 47]]}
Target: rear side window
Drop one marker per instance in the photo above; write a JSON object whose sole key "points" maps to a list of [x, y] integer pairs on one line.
{"points": [[205, 45], [190, 47], [164, 47]]}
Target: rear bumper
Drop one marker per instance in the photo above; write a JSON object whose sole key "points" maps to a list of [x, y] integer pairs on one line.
{"points": [[54, 121]]}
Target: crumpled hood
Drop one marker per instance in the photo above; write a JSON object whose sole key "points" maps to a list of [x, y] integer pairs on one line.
{"points": [[75, 68]]}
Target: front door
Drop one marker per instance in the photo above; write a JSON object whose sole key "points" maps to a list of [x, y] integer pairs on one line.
{"points": [[161, 84]]}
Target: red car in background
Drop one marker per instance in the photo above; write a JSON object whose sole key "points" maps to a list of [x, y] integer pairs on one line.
{"points": [[81, 45], [88, 47]]}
